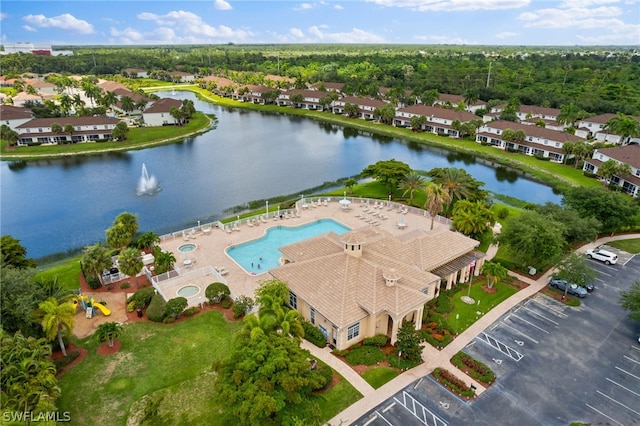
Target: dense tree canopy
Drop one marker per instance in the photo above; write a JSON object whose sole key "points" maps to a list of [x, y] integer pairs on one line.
{"points": [[388, 172], [14, 254], [613, 210], [19, 296], [630, 301], [575, 269]]}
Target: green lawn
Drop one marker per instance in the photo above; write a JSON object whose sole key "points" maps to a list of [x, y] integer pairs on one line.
{"points": [[378, 376], [67, 272], [170, 360], [630, 246], [468, 314]]}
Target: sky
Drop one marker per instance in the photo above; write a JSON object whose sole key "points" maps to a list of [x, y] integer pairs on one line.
{"points": [[468, 22]]}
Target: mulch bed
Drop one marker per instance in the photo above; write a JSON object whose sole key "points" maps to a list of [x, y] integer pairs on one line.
{"points": [[104, 348], [70, 348]]}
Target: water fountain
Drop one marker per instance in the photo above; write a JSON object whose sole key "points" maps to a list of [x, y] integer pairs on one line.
{"points": [[148, 185]]}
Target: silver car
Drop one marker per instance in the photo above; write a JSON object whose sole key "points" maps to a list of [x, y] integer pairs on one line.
{"points": [[574, 289]]}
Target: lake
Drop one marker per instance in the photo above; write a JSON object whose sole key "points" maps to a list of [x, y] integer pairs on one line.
{"points": [[55, 205]]}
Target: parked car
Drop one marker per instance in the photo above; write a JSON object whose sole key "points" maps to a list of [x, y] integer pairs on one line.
{"points": [[602, 255], [574, 289]]}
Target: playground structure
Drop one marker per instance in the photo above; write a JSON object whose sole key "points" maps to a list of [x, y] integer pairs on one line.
{"points": [[89, 305]]}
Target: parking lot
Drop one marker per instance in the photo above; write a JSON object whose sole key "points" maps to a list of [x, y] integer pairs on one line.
{"points": [[554, 364]]}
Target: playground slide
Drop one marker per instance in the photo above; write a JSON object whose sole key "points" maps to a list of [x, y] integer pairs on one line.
{"points": [[105, 311]]}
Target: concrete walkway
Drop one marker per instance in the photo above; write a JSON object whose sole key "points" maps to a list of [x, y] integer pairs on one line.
{"points": [[431, 356]]}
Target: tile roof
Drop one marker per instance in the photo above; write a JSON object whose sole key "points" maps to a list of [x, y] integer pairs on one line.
{"points": [[444, 113], [363, 101], [534, 109], [534, 131], [346, 288], [629, 154], [163, 105], [111, 86], [75, 121], [10, 112]]}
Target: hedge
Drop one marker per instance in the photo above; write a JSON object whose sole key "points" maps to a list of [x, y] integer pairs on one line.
{"points": [[377, 340], [215, 292], [365, 355], [313, 334], [453, 383], [155, 311], [476, 369], [142, 297]]}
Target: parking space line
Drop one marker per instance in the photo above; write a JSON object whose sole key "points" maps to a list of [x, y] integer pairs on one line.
{"points": [[541, 316], [632, 360], [558, 312], [383, 418], [371, 420], [505, 349], [520, 332], [603, 414], [618, 402], [437, 421], [635, 349], [604, 273], [625, 371], [628, 260], [623, 387], [389, 407], [531, 324]]}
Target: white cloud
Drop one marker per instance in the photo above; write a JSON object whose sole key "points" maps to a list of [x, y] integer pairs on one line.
{"points": [[3, 16], [190, 26], [584, 3], [28, 28], [576, 17], [133, 36], [506, 34], [222, 5], [303, 6], [453, 5], [65, 21], [319, 34], [338, 7]]}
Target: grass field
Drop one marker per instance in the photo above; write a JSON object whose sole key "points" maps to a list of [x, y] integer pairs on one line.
{"points": [[379, 376], [66, 271], [630, 246], [156, 359]]}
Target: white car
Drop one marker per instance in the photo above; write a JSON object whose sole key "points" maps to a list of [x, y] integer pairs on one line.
{"points": [[602, 255]]}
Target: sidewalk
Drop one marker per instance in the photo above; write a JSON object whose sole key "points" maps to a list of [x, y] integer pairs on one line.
{"points": [[434, 358]]}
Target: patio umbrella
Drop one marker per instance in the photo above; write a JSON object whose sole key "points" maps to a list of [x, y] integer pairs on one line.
{"points": [[344, 203]]}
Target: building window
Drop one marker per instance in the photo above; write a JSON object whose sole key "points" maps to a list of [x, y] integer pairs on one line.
{"points": [[293, 300], [313, 316], [425, 290], [353, 331]]}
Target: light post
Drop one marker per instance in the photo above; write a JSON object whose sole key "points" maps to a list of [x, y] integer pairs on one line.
{"points": [[267, 209]]}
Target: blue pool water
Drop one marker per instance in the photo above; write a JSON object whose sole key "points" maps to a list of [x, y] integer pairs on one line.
{"points": [[264, 253]]}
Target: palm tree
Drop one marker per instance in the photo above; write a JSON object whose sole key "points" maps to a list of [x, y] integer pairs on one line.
{"points": [[108, 331], [57, 318], [412, 182], [626, 126], [65, 104], [437, 197], [164, 260], [494, 272], [127, 104], [429, 97], [109, 99], [148, 240], [177, 115], [69, 130], [569, 114], [130, 263], [472, 218], [56, 290], [457, 182], [471, 95], [257, 326], [96, 259], [8, 134], [56, 128], [141, 105], [567, 149], [580, 151]]}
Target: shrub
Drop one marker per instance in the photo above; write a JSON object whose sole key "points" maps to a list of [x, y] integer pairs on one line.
{"points": [[589, 174], [168, 320], [93, 282], [313, 334], [155, 311], [227, 301], [443, 303], [453, 383], [377, 340], [142, 297], [326, 376], [338, 352], [175, 306], [64, 361], [125, 285], [365, 355], [189, 312], [476, 369], [242, 306], [215, 292], [502, 213], [131, 306]]}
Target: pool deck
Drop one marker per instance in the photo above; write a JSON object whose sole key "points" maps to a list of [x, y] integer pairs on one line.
{"points": [[211, 245]]}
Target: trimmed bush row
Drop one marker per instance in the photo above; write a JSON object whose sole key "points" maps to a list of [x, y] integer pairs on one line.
{"points": [[476, 369], [313, 335], [453, 383]]}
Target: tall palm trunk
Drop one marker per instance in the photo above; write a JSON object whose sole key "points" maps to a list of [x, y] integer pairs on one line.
{"points": [[61, 343]]}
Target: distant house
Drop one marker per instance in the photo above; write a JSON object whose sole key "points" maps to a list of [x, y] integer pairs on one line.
{"points": [[42, 87], [22, 98], [135, 97], [251, 93], [111, 86], [14, 116], [453, 100], [86, 129], [182, 77], [159, 114], [366, 106], [367, 282], [439, 120], [328, 86], [136, 73], [538, 140], [593, 128], [280, 81], [629, 154], [221, 86], [310, 99]]}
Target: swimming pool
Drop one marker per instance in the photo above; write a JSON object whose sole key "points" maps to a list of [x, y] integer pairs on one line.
{"points": [[260, 255]]}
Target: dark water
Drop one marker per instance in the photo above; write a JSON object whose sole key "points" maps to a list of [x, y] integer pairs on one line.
{"points": [[53, 206]]}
